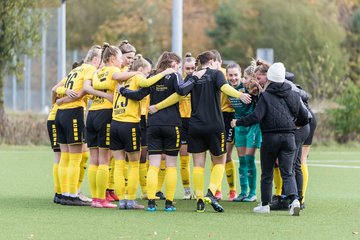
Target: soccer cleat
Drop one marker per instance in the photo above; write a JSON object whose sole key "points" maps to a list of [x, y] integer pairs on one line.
{"points": [[210, 199], [302, 206], [112, 194], [262, 209], [122, 204], [95, 203], [151, 205], [104, 203], [187, 195], [160, 195], [84, 198], [132, 204], [64, 200], [294, 208], [250, 198], [108, 196], [239, 198], [76, 201], [57, 198], [169, 206], [200, 206], [218, 195], [232, 195]]}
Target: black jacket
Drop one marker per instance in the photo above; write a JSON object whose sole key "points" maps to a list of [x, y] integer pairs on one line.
{"points": [[277, 110]]}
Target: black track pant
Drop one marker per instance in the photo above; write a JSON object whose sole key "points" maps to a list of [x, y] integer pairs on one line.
{"points": [[277, 146]]}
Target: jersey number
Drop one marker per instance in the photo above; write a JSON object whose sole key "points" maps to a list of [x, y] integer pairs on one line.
{"points": [[70, 81], [123, 103]]}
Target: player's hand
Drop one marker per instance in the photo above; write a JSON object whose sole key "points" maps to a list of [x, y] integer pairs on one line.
{"points": [[168, 71], [233, 123], [110, 97], [71, 93], [245, 98], [152, 109]]}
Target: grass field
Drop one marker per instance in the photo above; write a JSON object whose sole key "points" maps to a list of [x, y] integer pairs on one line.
{"points": [[27, 211]]}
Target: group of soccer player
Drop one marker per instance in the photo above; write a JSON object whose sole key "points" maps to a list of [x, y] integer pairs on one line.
{"points": [[140, 117]]}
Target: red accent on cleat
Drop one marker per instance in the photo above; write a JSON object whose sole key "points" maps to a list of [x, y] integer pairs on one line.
{"points": [[232, 195], [218, 195], [109, 197], [113, 195], [106, 204]]}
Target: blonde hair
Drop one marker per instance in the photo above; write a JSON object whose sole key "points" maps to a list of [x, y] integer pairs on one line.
{"points": [[217, 55], [188, 58], [250, 70], [139, 62], [233, 65], [94, 51], [108, 51], [126, 47]]}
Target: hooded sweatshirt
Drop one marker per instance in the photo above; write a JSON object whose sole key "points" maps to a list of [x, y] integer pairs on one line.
{"points": [[276, 111]]}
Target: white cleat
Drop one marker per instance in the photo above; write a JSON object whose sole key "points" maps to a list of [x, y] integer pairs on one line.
{"points": [[262, 209], [294, 208]]}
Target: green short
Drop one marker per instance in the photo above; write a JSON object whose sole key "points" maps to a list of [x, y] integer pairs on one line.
{"points": [[249, 137]]}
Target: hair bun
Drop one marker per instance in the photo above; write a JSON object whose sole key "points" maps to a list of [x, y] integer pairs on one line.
{"points": [[106, 45], [188, 54]]}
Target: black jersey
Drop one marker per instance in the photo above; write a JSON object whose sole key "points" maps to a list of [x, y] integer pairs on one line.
{"points": [[165, 87], [206, 115]]}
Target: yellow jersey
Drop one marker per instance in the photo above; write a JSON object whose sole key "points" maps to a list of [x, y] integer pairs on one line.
{"points": [[52, 113], [125, 109], [224, 99], [75, 81], [103, 76]]}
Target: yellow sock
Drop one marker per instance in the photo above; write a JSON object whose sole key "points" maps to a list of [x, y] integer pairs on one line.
{"points": [[63, 172], [142, 176], [161, 176], [152, 181], [231, 175], [198, 180], [216, 177], [119, 178], [57, 188], [102, 178], [133, 180], [277, 181], [74, 172], [84, 159], [305, 172], [126, 174], [170, 182], [185, 170], [92, 180], [111, 174]]}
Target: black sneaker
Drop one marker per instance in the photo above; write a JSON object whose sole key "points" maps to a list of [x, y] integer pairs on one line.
{"points": [[200, 206], [151, 205], [169, 206], [160, 195], [210, 199]]}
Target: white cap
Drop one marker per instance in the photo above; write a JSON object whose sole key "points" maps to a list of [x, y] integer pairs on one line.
{"points": [[276, 72]]}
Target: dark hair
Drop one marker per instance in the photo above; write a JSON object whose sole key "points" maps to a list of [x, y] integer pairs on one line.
{"points": [[126, 47], [261, 66], [165, 61], [77, 64], [204, 58]]}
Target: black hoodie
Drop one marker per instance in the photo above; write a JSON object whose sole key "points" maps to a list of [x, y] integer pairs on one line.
{"points": [[277, 109]]}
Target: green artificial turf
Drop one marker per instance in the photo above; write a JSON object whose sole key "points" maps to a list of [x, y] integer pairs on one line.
{"points": [[27, 212]]}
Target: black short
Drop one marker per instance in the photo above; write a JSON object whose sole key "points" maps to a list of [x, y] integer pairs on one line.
{"points": [[163, 139], [125, 136], [70, 125], [214, 142], [143, 131], [229, 131], [184, 130], [312, 124], [52, 135], [98, 128]]}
